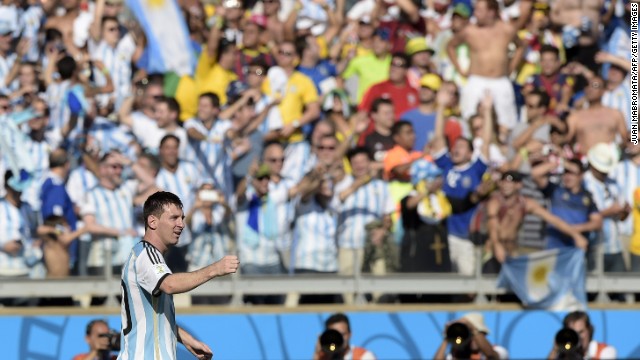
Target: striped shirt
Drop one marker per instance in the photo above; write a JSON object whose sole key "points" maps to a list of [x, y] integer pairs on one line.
{"points": [[210, 242], [39, 152], [314, 238], [149, 135], [6, 63], [55, 96], [604, 196], [261, 247], [110, 136], [79, 183], [30, 23], [211, 157], [620, 99], [14, 225], [627, 175], [112, 209], [369, 203], [149, 329], [118, 61], [184, 183]]}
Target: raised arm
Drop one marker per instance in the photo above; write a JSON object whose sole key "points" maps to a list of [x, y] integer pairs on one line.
{"points": [[457, 40], [438, 143], [183, 282], [534, 208]]}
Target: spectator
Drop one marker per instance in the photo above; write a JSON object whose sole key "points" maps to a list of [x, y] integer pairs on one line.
{"points": [[400, 158], [477, 346], [97, 337], [340, 323], [57, 237], [380, 140], [371, 68], [459, 20], [419, 54], [579, 322], [423, 117], [557, 86], [618, 92]]}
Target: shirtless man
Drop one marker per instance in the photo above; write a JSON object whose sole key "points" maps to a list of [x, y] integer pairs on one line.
{"points": [[597, 123], [488, 42], [66, 24], [574, 15], [506, 211]]}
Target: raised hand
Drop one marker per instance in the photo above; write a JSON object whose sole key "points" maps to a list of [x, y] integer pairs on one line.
{"points": [[227, 265]]}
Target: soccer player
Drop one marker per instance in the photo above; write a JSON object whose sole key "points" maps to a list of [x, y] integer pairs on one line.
{"points": [[149, 327]]}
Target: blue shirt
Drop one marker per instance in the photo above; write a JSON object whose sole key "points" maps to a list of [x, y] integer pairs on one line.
{"points": [[459, 182], [423, 125], [322, 71], [571, 208], [55, 200]]}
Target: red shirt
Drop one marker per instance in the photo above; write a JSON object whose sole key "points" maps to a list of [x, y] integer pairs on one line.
{"points": [[404, 97]]}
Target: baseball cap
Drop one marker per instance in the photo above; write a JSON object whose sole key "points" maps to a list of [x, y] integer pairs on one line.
{"points": [[431, 81], [417, 45], [5, 27], [263, 171], [382, 33], [462, 10], [603, 157]]}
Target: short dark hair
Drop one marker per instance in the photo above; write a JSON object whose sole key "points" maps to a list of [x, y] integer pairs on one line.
{"points": [[468, 141], [260, 62], [7, 175], [58, 158], [153, 160], [224, 46], [550, 49], [169, 137], [577, 316], [395, 129], [404, 57], [269, 144], [92, 323], [375, 105], [109, 18], [300, 44], [66, 67], [544, 97], [214, 98], [492, 5], [357, 151], [155, 204], [172, 104], [336, 319], [576, 161]]}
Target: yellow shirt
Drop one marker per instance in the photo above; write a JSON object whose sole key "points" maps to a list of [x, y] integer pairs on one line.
{"points": [[300, 91], [369, 69], [634, 246]]}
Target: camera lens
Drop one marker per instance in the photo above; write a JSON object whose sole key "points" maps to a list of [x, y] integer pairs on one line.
{"points": [[458, 334], [567, 340], [331, 341]]}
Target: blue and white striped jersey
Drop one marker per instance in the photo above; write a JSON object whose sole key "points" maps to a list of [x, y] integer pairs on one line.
{"points": [[118, 61], [314, 237], [620, 99], [212, 157], [80, 181], [14, 225], [39, 152], [184, 183], [56, 96], [30, 22], [6, 63], [605, 195], [210, 242], [627, 175], [369, 203], [109, 136], [148, 315], [113, 209]]}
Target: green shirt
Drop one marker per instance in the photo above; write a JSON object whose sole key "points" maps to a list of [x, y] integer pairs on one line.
{"points": [[369, 69]]}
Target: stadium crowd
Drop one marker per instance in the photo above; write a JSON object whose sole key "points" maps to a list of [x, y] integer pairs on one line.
{"points": [[319, 136]]}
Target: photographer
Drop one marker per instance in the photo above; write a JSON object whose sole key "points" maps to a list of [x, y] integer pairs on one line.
{"points": [[586, 348], [469, 341], [339, 323], [99, 338]]}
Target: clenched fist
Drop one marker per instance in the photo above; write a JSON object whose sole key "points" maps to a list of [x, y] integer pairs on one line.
{"points": [[227, 265]]}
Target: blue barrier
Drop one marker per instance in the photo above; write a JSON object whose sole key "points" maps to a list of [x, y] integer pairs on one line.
{"points": [[390, 335]]}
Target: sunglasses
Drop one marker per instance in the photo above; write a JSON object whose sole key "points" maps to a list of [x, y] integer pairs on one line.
{"points": [[275, 160], [115, 166], [262, 178], [285, 53], [112, 29], [320, 147], [399, 63]]}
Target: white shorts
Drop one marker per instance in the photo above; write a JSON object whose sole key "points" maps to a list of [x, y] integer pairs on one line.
{"points": [[463, 257], [504, 98]]}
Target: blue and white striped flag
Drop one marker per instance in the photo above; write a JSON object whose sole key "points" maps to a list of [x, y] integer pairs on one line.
{"points": [[168, 43], [13, 143], [550, 279]]}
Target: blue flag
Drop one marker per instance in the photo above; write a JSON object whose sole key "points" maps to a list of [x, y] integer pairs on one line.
{"points": [[550, 279]]}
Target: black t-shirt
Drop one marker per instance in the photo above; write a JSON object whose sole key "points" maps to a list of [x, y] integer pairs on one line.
{"points": [[378, 145]]}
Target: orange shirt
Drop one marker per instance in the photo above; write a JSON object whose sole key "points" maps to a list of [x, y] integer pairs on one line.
{"points": [[398, 156]]}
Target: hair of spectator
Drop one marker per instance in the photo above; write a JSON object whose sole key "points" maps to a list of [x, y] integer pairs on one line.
{"points": [[577, 316], [261, 63], [154, 161], [336, 319], [215, 99], [4, 97], [52, 34], [169, 137], [375, 106], [108, 154], [58, 158], [172, 104], [357, 151], [577, 162], [468, 141], [491, 5], [550, 49], [224, 46], [109, 18], [66, 67], [7, 175], [92, 323], [543, 98], [395, 129], [404, 57], [156, 203], [269, 144], [53, 220], [301, 45], [328, 123], [329, 136]]}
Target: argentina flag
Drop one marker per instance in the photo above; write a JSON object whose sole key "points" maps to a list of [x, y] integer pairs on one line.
{"points": [[168, 43], [13, 143], [550, 279]]}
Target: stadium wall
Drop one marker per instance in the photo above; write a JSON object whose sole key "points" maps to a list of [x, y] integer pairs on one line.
{"points": [[391, 335]]}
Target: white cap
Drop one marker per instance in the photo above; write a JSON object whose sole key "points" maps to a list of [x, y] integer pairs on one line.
{"points": [[603, 157], [477, 320]]}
